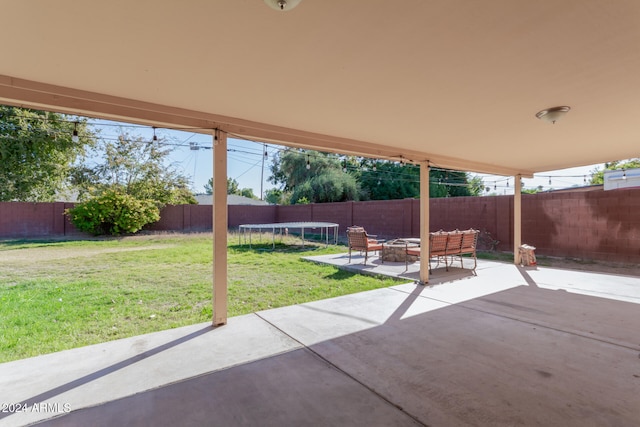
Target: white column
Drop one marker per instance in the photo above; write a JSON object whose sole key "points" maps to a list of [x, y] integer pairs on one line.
{"points": [[517, 218], [219, 228], [424, 223]]}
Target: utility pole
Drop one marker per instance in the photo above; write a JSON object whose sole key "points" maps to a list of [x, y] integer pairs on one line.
{"points": [[264, 157]]}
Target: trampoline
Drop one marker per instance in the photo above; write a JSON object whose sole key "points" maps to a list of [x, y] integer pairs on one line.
{"points": [[323, 226]]}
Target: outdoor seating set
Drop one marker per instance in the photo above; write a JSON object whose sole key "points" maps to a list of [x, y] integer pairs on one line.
{"points": [[443, 246]]}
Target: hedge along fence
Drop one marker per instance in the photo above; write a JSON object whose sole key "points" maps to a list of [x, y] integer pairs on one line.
{"points": [[595, 225]]}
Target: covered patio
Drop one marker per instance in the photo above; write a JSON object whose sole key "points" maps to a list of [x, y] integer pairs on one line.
{"points": [[456, 85], [451, 84], [511, 346]]}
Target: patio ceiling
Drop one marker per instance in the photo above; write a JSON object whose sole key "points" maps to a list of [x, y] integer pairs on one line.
{"points": [[454, 82]]}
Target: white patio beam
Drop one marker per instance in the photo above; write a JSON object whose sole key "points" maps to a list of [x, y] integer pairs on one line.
{"points": [[43, 96], [424, 222], [219, 228], [517, 218]]}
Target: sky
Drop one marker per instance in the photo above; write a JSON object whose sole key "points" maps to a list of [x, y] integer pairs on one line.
{"points": [[192, 156]]}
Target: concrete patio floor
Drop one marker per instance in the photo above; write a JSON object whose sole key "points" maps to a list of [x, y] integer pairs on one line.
{"points": [[510, 346]]}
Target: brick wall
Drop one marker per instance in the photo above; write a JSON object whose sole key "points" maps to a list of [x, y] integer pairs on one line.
{"points": [[603, 225]]}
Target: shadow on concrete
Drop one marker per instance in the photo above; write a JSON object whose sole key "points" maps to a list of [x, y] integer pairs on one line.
{"points": [[527, 278], [108, 370], [524, 356], [411, 272]]}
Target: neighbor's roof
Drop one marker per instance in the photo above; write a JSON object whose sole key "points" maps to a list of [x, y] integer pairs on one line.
{"points": [[232, 199], [454, 82]]}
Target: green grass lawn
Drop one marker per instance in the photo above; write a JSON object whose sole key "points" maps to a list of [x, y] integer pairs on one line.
{"points": [[56, 295]]}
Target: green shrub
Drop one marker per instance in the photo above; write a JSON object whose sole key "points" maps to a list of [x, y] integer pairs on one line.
{"points": [[113, 213]]}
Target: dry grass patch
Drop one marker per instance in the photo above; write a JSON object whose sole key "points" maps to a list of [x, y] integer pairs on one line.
{"points": [[56, 295]]}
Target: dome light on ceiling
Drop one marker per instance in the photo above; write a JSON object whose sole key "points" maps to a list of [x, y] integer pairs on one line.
{"points": [[282, 5], [552, 115]]}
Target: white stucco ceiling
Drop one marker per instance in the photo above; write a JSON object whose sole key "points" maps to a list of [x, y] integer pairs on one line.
{"points": [[456, 82]]}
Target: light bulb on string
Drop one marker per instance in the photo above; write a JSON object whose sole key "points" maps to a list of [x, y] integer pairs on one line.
{"points": [[624, 174], [74, 136], [344, 166], [308, 163], [155, 137], [549, 180]]}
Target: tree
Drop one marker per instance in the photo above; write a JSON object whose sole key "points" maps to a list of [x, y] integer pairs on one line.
{"points": [[275, 196], [538, 189], [389, 181], [475, 185], [313, 176], [134, 166], [321, 177], [289, 167], [232, 188], [113, 213], [392, 180], [450, 183], [248, 193], [208, 187], [330, 186], [597, 175], [37, 152]]}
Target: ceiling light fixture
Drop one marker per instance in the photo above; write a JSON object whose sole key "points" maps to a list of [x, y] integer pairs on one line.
{"points": [[282, 5], [552, 115]]}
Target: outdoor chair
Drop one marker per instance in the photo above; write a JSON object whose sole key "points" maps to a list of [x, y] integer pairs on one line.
{"points": [[411, 251], [468, 246], [360, 241], [438, 247], [454, 243]]}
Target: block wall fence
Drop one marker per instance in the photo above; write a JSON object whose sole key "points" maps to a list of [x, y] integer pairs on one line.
{"points": [[598, 225]]}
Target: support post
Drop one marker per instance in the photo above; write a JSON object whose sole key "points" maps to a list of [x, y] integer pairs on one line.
{"points": [[220, 228], [424, 223], [517, 218]]}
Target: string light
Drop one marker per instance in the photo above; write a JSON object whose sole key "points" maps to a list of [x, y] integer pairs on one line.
{"points": [[344, 165], [308, 163], [74, 136], [374, 167], [624, 174]]}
